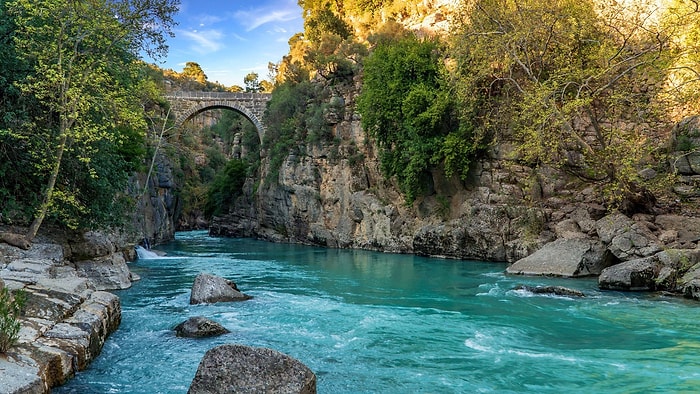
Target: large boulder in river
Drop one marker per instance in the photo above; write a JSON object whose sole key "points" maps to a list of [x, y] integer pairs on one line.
{"points": [[574, 257], [632, 275], [244, 369], [209, 288], [199, 327], [671, 270]]}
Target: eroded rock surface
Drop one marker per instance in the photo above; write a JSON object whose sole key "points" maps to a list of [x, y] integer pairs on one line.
{"points": [[199, 327], [244, 369], [66, 318], [572, 257], [209, 288], [673, 270]]}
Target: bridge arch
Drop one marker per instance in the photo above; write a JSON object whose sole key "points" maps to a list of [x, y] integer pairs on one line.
{"points": [[187, 104], [232, 105]]}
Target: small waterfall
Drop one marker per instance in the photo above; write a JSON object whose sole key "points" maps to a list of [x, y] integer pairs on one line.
{"points": [[144, 253]]}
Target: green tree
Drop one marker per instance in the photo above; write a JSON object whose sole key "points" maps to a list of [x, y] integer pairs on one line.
{"points": [[574, 83], [682, 23], [81, 58], [252, 84], [324, 22], [407, 107], [227, 186], [194, 72], [16, 166]]}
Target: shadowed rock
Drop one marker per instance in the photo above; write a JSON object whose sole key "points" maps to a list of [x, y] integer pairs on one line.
{"points": [[209, 288], [17, 240], [199, 327], [244, 369], [555, 290], [633, 275]]}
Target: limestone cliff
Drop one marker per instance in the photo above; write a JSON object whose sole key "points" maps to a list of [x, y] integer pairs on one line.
{"points": [[335, 195], [153, 220]]}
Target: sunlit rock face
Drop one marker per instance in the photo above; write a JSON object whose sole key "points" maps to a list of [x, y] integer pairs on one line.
{"points": [[209, 288], [66, 317]]}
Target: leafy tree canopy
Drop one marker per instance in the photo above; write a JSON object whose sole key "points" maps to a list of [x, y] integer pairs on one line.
{"points": [[577, 84], [81, 74], [406, 105]]}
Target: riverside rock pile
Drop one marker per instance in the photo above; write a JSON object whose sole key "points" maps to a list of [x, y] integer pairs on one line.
{"points": [[67, 316], [642, 253]]}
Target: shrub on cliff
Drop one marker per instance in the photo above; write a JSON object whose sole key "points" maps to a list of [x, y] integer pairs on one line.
{"points": [[10, 309], [408, 106], [583, 86], [226, 187]]}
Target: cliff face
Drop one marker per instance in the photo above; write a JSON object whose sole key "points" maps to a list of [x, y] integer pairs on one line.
{"points": [[335, 195], [153, 220]]}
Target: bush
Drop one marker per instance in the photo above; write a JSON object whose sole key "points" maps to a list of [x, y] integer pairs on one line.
{"points": [[227, 186], [10, 310], [407, 106]]}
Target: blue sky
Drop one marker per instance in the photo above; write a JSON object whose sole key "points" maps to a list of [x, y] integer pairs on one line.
{"points": [[231, 38]]}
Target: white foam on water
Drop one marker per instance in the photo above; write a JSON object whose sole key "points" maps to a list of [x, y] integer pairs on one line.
{"points": [[145, 254]]}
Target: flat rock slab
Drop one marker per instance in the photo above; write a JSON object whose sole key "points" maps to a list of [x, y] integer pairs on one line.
{"points": [[575, 257], [19, 377], [247, 370]]}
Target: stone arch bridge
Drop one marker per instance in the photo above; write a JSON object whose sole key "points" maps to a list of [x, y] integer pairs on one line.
{"points": [[185, 105]]}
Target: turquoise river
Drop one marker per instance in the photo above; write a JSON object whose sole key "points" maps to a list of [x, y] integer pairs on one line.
{"points": [[369, 322]]}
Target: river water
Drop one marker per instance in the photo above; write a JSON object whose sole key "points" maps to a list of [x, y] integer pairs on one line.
{"points": [[369, 322]]}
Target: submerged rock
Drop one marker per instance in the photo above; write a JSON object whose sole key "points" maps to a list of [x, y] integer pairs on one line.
{"points": [[555, 290], [243, 369], [209, 288], [199, 327]]}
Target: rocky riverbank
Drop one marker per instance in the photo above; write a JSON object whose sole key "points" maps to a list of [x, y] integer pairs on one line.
{"points": [[68, 314]]}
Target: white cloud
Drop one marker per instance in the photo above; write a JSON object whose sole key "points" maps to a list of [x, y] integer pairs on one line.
{"points": [[204, 42], [205, 20], [236, 36], [256, 18]]}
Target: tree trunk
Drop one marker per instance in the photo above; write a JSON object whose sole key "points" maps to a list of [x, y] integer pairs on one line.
{"points": [[48, 194]]}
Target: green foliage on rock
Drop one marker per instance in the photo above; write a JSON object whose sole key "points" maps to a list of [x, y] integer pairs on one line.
{"points": [[226, 187], [80, 82], [575, 85], [10, 309], [408, 107], [203, 157], [294, 116]]}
